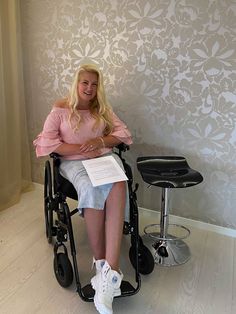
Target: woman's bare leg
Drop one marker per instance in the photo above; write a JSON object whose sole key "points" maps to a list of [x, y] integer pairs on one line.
{"points": [[115, 205], [105, 227], [95, 223]]}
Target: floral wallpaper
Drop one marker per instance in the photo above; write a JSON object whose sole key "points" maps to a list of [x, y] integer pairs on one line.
{"points": [[170, 74]]}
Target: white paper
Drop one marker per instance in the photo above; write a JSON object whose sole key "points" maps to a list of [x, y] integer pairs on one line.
{"points": [[104, 170]]}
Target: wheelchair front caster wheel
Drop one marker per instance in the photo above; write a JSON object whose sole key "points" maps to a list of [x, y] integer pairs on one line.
{"points": [[145, 259], [63, 269]]}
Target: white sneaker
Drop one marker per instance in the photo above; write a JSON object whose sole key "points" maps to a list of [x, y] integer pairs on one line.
{"points": [[98, 265], [108, 283]]}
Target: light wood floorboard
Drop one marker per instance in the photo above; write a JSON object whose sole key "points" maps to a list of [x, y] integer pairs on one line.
{"points": [[206, 284]]}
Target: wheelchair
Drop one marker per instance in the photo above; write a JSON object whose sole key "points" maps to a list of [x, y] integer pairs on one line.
{"points": [[59, 230]]}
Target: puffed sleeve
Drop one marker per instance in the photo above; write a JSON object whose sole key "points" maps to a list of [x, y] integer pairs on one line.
{"points": [[120, 130], [49, 139]]}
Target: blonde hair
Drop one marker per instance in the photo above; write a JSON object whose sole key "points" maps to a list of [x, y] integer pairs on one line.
{"points": [[99, 107]]}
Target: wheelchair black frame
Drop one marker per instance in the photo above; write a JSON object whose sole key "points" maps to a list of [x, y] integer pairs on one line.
{"points": [[56, 200]]}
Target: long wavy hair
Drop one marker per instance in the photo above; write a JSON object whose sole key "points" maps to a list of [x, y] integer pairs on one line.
{"points": [[99, 107]]}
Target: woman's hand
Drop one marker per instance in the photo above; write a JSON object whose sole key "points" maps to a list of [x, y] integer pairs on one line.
{"points": [[91, 145]]}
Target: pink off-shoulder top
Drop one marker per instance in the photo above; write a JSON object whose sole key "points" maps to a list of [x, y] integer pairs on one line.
{"points": [[57, 130]]}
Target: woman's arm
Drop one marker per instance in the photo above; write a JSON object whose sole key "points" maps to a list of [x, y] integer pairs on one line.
{"points": [[108, 141], [68, 149], [92, 145]]}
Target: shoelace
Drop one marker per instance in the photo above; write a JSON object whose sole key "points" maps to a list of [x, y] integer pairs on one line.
{"points": [[106, 286]]}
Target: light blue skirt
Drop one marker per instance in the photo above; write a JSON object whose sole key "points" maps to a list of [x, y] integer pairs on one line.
{"points": [[88, 195]]}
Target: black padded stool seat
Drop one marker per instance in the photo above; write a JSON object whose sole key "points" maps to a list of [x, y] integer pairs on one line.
{"points": [[167, 172]]}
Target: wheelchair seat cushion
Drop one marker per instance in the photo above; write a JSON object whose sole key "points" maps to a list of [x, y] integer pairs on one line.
{"points": [[88, 195], [67, 188]]}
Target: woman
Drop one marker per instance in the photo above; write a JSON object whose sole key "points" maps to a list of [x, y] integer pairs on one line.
{"points": [[84, 126]]}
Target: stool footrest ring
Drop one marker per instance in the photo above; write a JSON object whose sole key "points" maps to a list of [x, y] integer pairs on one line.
{"points": [[156, 235]]}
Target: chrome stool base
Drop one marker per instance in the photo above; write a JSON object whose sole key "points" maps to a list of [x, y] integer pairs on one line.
{"points": [[168, 251]]}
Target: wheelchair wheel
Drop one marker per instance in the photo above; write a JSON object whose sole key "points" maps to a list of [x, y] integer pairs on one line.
{"points": [[145, 259], [48, 198], [63, 269]]}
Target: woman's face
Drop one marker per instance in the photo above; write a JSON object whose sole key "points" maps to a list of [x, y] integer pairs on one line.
{"points": [[87, 88]]}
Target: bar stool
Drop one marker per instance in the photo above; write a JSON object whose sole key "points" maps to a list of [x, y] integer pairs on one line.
{"points": [[167, 172]]}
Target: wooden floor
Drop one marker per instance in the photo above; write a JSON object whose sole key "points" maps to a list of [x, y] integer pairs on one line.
{"points": [[205, 284]]}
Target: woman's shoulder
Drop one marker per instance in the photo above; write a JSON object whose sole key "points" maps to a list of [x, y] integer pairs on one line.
{"points": [[61, 104]]}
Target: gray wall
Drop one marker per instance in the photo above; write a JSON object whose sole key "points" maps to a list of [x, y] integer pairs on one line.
{"points": [[170, 75]]}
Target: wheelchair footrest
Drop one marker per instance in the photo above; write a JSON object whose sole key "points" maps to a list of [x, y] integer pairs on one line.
{"points": [[88, 292], [126, 290]]}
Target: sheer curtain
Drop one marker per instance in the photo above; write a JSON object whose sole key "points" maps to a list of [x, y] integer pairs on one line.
{"points": [[15, 169]]}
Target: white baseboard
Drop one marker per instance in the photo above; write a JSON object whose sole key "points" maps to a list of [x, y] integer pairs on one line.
{"points": [[38, 185], [192, 223]]}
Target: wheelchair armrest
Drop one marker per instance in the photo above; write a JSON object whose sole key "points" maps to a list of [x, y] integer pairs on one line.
{"points": [[122, 147], [55, 156], [56, 161]]}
